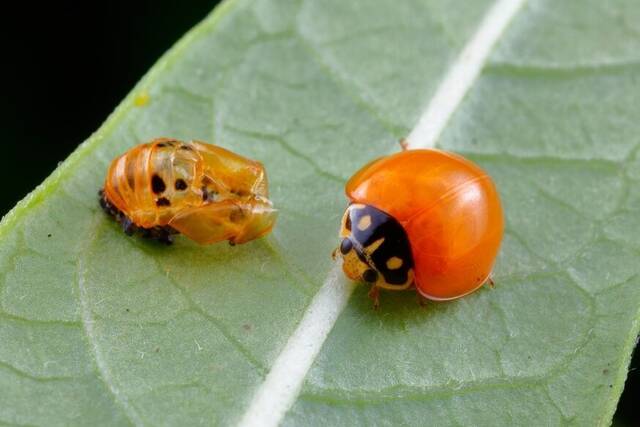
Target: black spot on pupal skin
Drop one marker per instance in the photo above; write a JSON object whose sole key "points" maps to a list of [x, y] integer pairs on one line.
{"points": [[208, 194], [163, 201], [180, 184], [157, 184], [186, 147], [162, 144]]}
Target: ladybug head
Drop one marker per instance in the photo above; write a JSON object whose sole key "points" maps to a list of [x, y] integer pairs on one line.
{"points": [[374, 248]]}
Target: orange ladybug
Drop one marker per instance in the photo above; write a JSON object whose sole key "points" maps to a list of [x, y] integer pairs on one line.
{"points": [[205, 192], [423, 218]]}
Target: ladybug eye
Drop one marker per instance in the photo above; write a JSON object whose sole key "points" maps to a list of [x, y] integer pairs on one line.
{"points": [[370, 276], [345, 246]]}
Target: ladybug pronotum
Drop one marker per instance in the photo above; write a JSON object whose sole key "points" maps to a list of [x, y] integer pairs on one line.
{"points": [[421, 218], [203, 191]]}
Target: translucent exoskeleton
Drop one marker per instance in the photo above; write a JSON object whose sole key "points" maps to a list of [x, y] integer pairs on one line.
{"points": [[203, 191]]}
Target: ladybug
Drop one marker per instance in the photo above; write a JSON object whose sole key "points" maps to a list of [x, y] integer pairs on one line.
{"points": [[423, 218], [203, 191]]}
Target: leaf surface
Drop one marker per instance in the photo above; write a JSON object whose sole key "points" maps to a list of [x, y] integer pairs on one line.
{"points": [[98, 328]]}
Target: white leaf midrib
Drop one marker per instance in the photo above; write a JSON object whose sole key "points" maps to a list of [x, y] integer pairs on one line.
{"points": [[275, 396]]}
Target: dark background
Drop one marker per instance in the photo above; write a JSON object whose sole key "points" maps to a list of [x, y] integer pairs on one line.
{"points": [[67, 65]]}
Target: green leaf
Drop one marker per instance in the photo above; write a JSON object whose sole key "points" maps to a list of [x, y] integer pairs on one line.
{"points": [[99, 328]]}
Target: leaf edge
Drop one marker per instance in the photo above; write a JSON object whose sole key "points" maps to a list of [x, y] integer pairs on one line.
{"points": [[51, 182]]}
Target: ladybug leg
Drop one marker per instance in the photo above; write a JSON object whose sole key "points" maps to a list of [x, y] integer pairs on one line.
{"points": [[422, 301], [490, 283], [374, 294], [404, 144], [334, 254]]}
